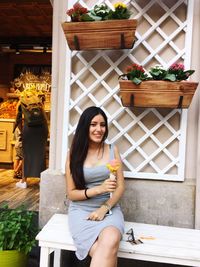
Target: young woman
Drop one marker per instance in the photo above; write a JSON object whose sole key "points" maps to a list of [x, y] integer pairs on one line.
{"points": [[94, 231], [34, 139]]}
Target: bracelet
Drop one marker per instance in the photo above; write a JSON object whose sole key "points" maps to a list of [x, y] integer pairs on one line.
{"points": [[86, 193], [108, 207]]}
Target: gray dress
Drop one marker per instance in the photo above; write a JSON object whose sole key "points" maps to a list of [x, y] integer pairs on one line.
{"points": [[85, 232]]}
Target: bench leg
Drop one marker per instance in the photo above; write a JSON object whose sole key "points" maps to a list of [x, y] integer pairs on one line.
{"points": [[57, 253], [44, 257]]}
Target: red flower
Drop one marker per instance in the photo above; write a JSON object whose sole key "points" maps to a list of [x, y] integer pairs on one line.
{"points": [[70, 12], [76, 12], [135, 67], [78, 8], [177, 66], [129, 68]]}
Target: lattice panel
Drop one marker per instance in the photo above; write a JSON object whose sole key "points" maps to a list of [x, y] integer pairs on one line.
{"points": [[151, 141]]}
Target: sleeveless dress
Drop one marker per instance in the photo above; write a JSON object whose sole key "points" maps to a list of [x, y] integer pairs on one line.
{"points": [[85, 232]]}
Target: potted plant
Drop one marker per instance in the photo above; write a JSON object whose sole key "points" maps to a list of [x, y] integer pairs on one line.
{"points": [[99, 28], [164, 88], [18, 229]]}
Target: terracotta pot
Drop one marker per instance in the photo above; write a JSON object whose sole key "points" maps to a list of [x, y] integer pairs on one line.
{"points": [[108, 34], [158, 94]]}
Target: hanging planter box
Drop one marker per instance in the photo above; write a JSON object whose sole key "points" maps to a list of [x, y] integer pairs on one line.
{"points": [[108, 34], [158, 94]]}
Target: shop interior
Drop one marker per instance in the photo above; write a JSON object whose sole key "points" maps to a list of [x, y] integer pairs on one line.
{"points": [[25, 63]]}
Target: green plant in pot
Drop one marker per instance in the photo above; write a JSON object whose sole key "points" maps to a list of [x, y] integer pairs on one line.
{"points": [[100, 12], [175, 73], [18, 229]]}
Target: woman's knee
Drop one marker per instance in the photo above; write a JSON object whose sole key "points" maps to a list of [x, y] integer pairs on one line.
{"points": [[110, 238]]}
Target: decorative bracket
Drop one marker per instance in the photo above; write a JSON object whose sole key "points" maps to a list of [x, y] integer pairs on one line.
{"points": [[76, 43], [180, 101], [122, 41], [132, 100]]}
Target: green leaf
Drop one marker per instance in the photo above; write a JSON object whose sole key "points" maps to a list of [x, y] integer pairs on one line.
{"points": [[136, 80], [17, 229], [170, 77], [96, 18], [86, 17]]}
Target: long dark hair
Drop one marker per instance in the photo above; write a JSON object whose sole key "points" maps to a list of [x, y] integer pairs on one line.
{"points": [[80, 144]]}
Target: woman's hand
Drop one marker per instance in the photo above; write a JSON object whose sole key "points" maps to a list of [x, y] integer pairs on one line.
{"points": [[97, 215], [109, 185]]}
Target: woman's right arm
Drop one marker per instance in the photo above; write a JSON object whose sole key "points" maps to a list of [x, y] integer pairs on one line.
{"points": [[79, 194]]}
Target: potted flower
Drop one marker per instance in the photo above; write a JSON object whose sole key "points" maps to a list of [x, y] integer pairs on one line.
{"points": [[18, 229], [99, 28], [165, 88]]}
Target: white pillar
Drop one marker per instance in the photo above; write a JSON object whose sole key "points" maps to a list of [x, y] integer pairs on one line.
{"points": [[61, 63], [196, 66], [52, 184]]}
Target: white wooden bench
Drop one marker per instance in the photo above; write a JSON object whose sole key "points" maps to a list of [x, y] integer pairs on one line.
{"points": [[160, 243]]}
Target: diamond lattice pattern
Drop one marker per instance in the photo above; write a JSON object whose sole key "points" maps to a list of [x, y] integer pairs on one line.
{"points": [[150, 140]]}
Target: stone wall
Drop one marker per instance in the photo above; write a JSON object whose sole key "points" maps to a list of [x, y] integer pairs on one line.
{"points": [[153, 202]]}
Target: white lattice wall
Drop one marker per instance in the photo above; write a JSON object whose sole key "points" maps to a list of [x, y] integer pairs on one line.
{"points": [[151, 141]]}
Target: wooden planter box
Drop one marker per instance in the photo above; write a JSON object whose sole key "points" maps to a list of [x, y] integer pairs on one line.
{"points": [[158, 94], [109, 34]]}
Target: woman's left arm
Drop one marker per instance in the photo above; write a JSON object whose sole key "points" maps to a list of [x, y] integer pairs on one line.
{"points": [[117, 194]]}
